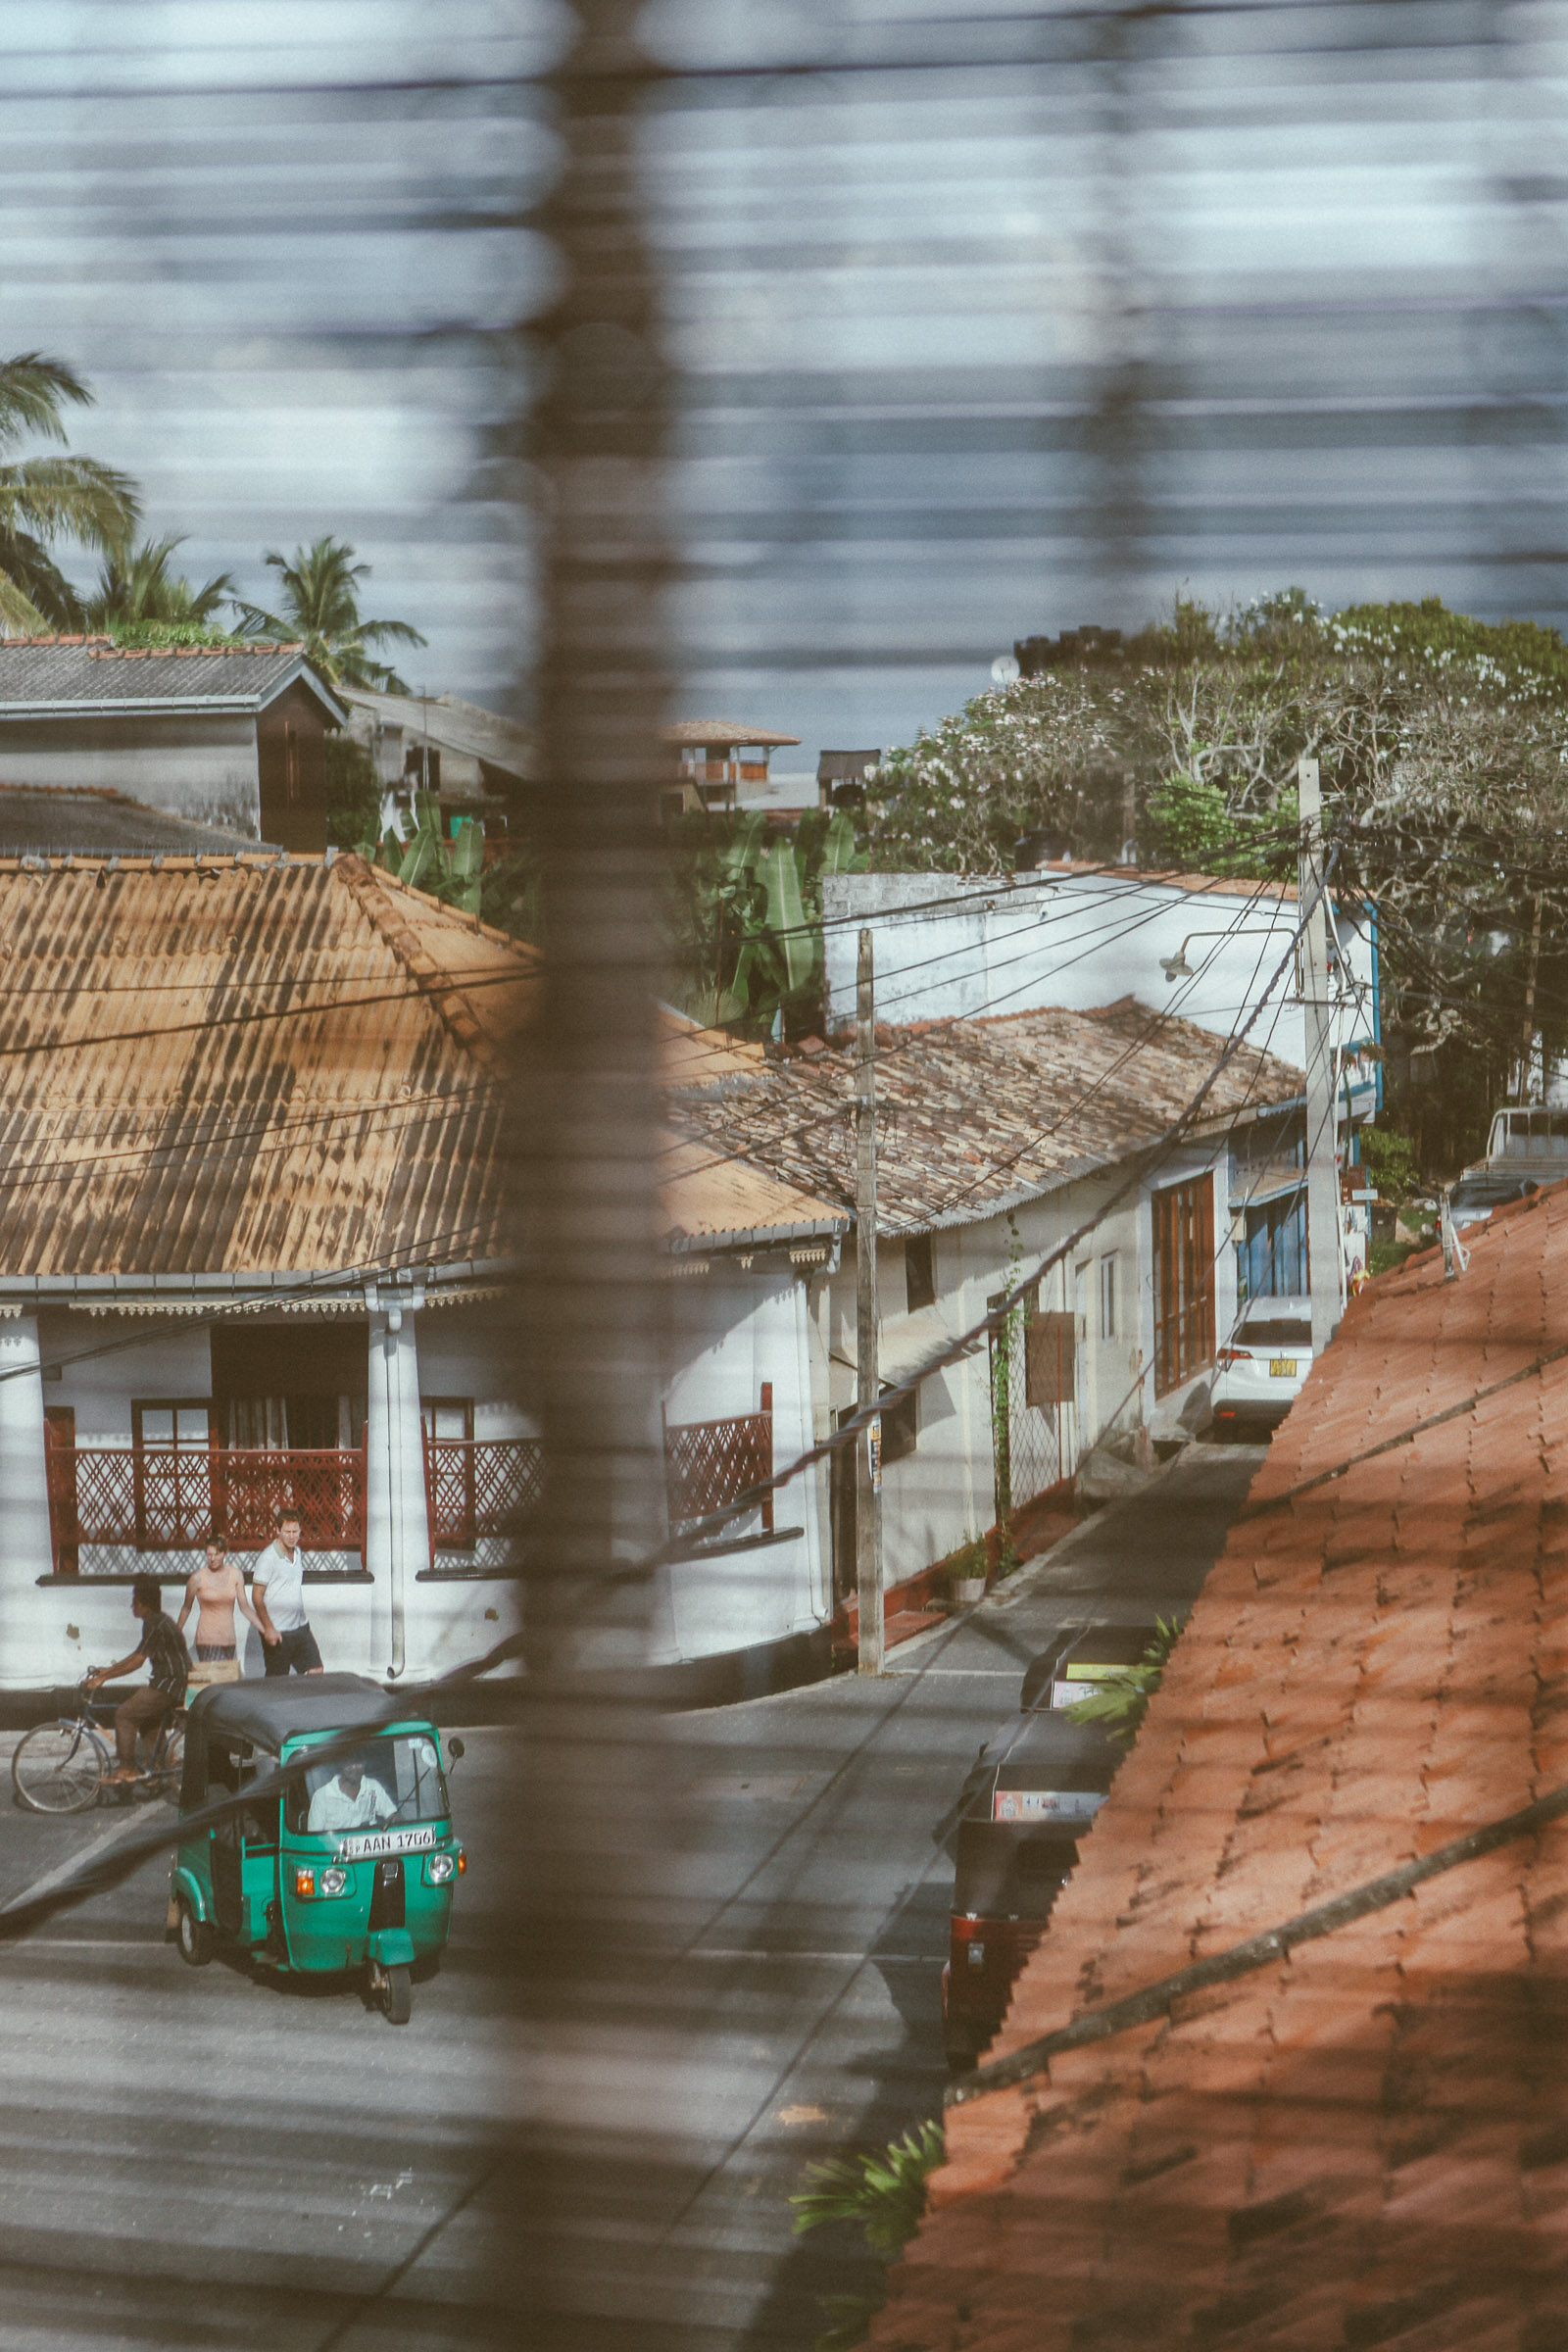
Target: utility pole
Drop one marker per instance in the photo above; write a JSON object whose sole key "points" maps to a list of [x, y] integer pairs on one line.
{"points": [[869, 1444], [1325, 1246]]}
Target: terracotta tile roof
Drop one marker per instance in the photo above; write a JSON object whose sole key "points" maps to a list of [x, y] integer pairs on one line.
{"points": [[59, 674], [1365, 2143], [973, 1115]]}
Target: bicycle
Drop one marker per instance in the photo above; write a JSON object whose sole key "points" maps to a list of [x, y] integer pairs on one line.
{"points": [[62, 1767]]}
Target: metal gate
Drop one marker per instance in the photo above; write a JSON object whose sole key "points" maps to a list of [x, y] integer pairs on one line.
{"points": [[1034, 1412]]}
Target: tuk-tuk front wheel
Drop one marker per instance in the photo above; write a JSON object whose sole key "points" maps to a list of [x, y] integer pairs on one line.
{"points": [[398, 1996], [193, 1935]]}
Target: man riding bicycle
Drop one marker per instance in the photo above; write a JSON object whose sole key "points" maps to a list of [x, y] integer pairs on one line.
{"points": [[162, 1650]]}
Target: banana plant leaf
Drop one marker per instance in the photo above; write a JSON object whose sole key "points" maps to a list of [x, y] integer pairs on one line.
{"points": [[796, 940]]}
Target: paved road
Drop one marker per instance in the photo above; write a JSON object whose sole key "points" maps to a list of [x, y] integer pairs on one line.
{"points": [[739, 1977]]}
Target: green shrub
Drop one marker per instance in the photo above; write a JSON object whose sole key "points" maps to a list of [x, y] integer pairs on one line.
{"points": [[1123, 1704], [1389, 1159]]}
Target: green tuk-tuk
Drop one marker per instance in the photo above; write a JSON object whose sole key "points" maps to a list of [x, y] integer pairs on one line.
{"points": [[353, 1868]]}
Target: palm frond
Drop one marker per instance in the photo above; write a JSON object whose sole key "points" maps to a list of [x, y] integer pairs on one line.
{"points": [[397, 632], [34, 389], [1124, 1701], [70, 498], [38, 594], [138, 587]]}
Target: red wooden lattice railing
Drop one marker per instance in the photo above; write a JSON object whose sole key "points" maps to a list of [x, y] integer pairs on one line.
{"points": [[172, 1497], [480, 1487], [710, 1463]]}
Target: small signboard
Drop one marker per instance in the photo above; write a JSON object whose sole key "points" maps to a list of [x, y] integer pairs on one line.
{"points": [[873, 1448]]}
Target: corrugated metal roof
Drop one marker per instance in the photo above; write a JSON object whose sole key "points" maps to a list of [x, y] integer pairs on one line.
{"points": [[51, 675], [973, 1115], [709, 1197], [264, 1066], [448, 722], [225, 1068]]}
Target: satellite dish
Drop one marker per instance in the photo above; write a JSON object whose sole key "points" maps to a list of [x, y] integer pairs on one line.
{"points": [[1004, 668]]}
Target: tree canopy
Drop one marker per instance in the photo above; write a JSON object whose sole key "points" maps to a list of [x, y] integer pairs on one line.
{"points": [[1444, 744], [321, 610], [140, 599]]}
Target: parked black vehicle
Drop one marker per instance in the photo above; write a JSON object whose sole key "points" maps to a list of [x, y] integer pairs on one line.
{"points": [[1030, 1796]]}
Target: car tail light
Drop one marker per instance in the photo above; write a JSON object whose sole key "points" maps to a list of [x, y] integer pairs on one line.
{"points": [[1234, 1356]]}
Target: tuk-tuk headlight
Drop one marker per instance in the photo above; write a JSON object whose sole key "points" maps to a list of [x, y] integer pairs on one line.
{"points": [[440, 1869], [334, 1879]]}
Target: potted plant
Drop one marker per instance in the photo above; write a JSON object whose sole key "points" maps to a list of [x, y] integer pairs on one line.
{"points": [[968, 1577]]}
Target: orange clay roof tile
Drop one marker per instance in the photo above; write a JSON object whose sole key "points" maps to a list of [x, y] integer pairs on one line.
{"points": [[1366, 2144]]}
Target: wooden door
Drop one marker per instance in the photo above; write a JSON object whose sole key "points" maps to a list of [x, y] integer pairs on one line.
{"points": [[60, 1439], [1184, 1282]]}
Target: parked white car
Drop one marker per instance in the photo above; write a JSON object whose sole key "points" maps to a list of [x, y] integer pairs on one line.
{"points": [[1259, 1370]]}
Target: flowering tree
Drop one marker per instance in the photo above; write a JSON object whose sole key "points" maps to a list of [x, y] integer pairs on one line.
{"points": [[1444, 744]]}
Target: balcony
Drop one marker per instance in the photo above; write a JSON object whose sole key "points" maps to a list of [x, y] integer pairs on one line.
{"points": [[156, 1498], [711, 1464], [480, 1487], [161, 1498]]}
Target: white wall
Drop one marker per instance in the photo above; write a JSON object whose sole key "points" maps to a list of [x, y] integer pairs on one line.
{"points": [[1027, 940], [944, 1492], [203, 767], [730, 1332]]}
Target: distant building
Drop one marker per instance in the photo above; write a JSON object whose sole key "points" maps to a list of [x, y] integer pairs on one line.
{"points": [[720, 762], [840, 777], [226, 736], [475, 763]]}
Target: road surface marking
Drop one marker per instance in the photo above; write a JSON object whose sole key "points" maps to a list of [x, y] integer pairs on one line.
{"points": [[73, 1862]]}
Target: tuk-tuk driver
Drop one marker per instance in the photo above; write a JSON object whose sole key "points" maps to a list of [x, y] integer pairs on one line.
{"points": [[349, 1800], [162, 1650]]}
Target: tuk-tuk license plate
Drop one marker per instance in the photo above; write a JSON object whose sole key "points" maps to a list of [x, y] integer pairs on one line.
{"points": [[1044, 1804], [1282, 1367], [360, 1845]]}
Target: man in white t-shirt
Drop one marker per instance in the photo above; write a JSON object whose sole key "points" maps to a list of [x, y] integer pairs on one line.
{"points": [[277, 1589], [349, 1801]]}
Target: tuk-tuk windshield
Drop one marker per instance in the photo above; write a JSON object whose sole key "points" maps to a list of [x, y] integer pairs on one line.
{"points": [[369, 1784]]}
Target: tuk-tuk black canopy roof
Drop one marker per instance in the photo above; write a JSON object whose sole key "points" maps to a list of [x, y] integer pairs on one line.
{"points": [[268, 1712], [271, 1711]]}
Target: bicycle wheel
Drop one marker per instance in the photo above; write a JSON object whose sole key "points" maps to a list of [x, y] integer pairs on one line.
{"points": [[57, 1768]]}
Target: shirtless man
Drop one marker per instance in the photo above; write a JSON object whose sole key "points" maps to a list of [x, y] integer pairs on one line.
{"points": [[216, 1591]]}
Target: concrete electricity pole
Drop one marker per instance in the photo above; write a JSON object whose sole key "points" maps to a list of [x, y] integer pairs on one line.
{"points": [[868, 1445], [1325, 1246]]}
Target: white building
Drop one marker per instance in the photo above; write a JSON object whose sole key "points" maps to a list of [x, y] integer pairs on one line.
{"points": [[947, 945], [253, 1252], [999, 1142]]}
